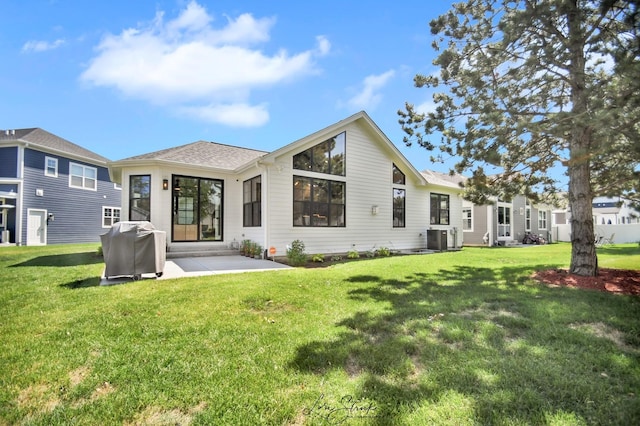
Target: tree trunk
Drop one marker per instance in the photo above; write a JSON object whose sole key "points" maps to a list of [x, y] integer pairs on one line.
{"points": [[583, 246]]}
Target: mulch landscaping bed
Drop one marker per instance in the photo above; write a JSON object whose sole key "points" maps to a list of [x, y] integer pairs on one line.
{"points": [[619, 281]]}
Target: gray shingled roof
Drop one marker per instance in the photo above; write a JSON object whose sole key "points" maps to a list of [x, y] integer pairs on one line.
{"points": [[203, 153], [443, 179], [44, 139]]}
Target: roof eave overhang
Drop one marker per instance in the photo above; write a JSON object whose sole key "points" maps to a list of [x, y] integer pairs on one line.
{"points": [[115, 167], [61, 153]]}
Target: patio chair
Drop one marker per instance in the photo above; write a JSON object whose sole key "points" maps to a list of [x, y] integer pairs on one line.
{"points": [[601, 240], [609, 240]]}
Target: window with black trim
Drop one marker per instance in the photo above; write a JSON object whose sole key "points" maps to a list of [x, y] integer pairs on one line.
{"points": [[252, 201], [398, 176], [318, 202], [326, 157], [439, 209], [399, 197], [140, 197]]}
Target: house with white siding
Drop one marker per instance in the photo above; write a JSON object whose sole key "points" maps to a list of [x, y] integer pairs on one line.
{"points": [[345, 187]]}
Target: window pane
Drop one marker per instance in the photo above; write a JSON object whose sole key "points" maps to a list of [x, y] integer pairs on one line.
{"points": [[320, 215], [337, 215], [337, 193], [320, 155], [302, 161], [338, 154], [398, 176], [246, 191], [301, 189], [320, 191], [301, 216]]}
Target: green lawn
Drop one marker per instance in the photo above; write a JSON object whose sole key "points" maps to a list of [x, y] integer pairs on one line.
{"points": [[452, 338]]}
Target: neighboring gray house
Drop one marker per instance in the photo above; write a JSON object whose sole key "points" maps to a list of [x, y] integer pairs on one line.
{"points": [[343, 187], [53, 191], [505, 222]]}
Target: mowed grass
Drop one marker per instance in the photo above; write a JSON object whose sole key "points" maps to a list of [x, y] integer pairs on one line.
{"points": [[460, 338]]}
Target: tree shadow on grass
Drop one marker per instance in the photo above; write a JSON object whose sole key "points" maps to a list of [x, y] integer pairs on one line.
{"points": [[479, 337], [63, 260]]}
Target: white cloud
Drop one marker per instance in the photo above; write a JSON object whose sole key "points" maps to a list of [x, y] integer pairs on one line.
{"points": [[426, 107], [41, 46], [235, 115], [198, 69], [369, 97]]}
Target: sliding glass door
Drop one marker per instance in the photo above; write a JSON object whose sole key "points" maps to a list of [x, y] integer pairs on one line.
{"points": [[197, 209]]}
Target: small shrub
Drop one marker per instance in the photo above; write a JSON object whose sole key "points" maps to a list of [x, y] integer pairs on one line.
{"points": [[383, 251], [296, 254], [336, 258], [370, 253], [99, 251], [318, 258], [353, 254]]}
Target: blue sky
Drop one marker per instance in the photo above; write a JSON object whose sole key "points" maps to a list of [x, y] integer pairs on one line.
{"points": [[123, 78]]}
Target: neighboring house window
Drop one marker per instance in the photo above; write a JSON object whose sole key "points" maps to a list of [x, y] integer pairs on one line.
{"points": [[399, 208], [398, 176], [542, 219], [252, 195], [318, 202], [51, 166], [439, 209], [326, 157], [83, 177], [140, 197], [117, 186], [527, 216], [110, 215], [467, 222]]}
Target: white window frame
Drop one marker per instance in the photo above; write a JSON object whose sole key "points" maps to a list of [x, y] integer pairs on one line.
{"points": [[466, 217], [104, 216], [542, 220], [46, 166], [84, 178]]}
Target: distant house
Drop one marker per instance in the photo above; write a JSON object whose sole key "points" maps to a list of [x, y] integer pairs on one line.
{"points": [[345, 187], [505, 222], [53, 191], [614, 211]]}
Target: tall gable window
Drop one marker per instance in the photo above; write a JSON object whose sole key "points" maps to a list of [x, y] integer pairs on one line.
{"points": [[252, 194], [439, 209], [83, 177], [399, 196], [318, 202], [326, 157], [398, 176], [140, 197], [51, 166]]}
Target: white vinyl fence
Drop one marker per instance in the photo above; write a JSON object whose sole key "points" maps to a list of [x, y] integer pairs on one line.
{"points": [[629, 233]]}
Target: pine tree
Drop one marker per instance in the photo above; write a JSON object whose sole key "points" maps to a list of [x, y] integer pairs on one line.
{"points": [[530, 85]]}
